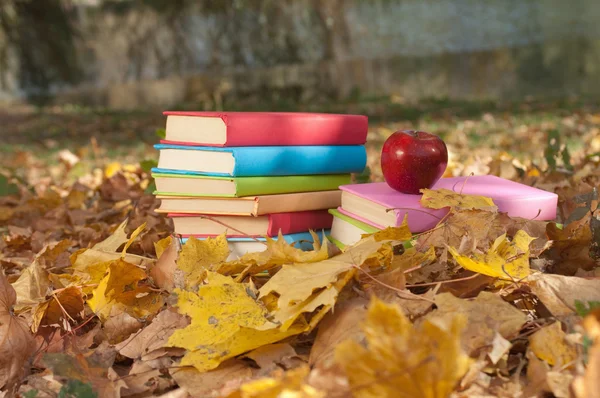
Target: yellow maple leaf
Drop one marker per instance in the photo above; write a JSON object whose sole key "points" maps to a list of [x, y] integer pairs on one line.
{"points": [[401, 360], [296, 282], [277, 252], [505, 260], [119, 291], [282, 384], [550, 344], [198, 256], [401, 233], [226, 320], [440, 198]]}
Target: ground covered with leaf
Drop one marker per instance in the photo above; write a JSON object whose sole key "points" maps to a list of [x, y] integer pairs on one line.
{"points": [[98, 299]]}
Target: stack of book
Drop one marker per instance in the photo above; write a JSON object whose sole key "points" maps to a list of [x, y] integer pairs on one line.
{"points": [[254, 174], [368, 208]]}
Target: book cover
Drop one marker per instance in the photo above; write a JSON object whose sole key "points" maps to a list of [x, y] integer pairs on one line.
{"points": [[184, 184], [265, 128], [287, 223], [515, 199], [262, 161]]}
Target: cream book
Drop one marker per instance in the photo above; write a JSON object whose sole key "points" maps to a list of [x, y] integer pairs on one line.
{"points": [[250, 205]]}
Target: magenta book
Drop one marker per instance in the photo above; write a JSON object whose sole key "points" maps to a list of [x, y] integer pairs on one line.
{"points": [[380, 206]]}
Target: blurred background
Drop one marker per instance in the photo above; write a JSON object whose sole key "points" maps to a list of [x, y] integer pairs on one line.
{"points": [[506, 78]]}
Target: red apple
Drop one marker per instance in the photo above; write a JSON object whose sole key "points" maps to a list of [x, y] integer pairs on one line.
{"points": [[413, 160]]}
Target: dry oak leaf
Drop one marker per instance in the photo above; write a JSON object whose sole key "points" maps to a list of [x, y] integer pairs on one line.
{"points": [[508, 260], [550, 344], [559, 293], [276, 253], [153, 337], [400, 359], [16, 341], [198, 256], [65, 306], [226, 320], [441, 198], [283, 384], [487, 314], [120, 291]]}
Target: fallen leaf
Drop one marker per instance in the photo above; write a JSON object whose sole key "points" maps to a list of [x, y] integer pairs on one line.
{"points": [[401, 233], [550, 344], [277, 252], [226, 320], [441, 198], [165, 272], [270, 356], [141, 379], [119, 291], [587, 385], [198, 256], [219, 382], [153, 337], [402, 360], [505, 260], [340, 325], [560, 293], [16, 342], [291, 383], [500, 347], [119, 326], [486, 315], [63, 308], [570, 247]]}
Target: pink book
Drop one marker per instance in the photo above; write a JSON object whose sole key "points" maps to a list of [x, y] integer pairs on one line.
{"points": [[380, 206], [238, 226], [232, 129]]}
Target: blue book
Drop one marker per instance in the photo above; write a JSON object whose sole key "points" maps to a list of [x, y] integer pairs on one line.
{"points": [[240, 246], [260, 160]]}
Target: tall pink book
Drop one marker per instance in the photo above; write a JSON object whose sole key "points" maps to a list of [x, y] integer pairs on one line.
{"points": [[234, 129], [380, 206]]}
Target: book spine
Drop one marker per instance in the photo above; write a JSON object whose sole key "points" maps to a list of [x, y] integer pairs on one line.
{"points": [[275, 185]]}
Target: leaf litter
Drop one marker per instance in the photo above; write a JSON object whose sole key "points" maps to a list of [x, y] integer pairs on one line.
{"points": [[100, 298]]}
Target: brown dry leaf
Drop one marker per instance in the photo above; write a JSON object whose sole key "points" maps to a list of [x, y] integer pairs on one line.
{"points": [[120, 326], [550, 344], [400, 359], [283, 384], [340, 325], [120, 291], [559, 293], [276, 253], [143, 379], [153, 337], [269, 357], [165, 272], [62, 309], [198, 256], [570, 247], [487, 314], [16, 342], [219, 382], [508, 260], [441, 198]]}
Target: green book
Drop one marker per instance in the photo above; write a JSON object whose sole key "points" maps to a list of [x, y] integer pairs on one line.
{"points": [[234, 187]]}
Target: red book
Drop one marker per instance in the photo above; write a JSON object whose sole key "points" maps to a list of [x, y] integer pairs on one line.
{"points": [[231, 129], [239, 226]]}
